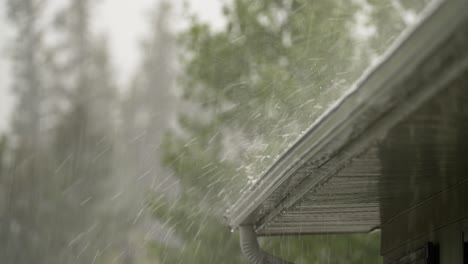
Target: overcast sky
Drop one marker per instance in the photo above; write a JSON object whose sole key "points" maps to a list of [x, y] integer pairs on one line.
{"points": [[125, 22]]}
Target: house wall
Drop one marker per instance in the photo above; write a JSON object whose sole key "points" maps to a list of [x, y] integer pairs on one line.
{"points": [[424, 180], [441, 220]]}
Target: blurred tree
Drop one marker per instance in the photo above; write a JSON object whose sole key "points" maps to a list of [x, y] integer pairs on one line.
{"points": [[56, 178], [3, 158], [84, 139], [4, 175], [254, 87], [21, 230], [147, 109], [149, 104]]}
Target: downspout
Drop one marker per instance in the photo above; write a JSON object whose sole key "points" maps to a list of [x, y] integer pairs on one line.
{"points": [[251, 249]]}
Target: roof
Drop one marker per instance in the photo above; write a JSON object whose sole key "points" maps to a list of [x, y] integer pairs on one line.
{"points": [[350, 171]]}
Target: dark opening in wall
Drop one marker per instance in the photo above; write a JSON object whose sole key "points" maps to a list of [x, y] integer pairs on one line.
{"points": [[465, 248], [427, 254], [465, 253]]}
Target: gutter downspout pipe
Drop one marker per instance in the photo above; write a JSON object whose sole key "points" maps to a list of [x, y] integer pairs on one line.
{"points": [[251, 249]]}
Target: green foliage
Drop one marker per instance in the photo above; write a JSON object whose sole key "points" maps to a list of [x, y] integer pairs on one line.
{"points": [[346, 248], [259, 82], [256, 85], [83, 143], [274, 68], [54, 173]]}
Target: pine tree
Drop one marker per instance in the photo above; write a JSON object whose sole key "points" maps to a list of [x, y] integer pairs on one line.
{"points": [[149, 104], [84, 140], [255, 86], [25, 181], [4, 176], [147, 110]]}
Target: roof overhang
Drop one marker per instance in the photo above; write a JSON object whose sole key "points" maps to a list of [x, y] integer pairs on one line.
{"points": [[332, 179]]}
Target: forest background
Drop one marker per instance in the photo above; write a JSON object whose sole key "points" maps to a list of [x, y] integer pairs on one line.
{"points": [[93, 170]]}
